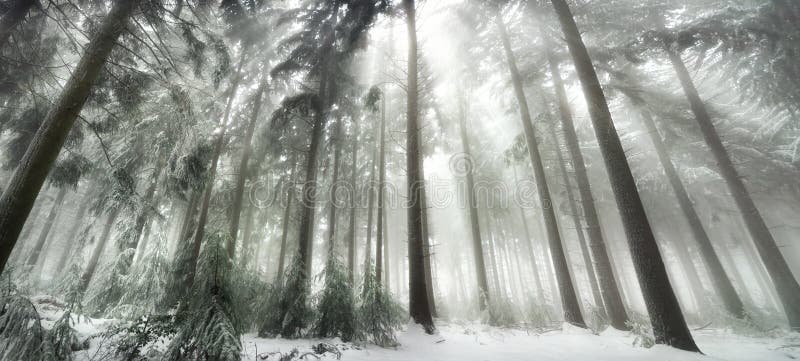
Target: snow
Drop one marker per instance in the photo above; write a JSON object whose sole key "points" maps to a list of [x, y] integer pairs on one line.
{"points": [[478, 342]]}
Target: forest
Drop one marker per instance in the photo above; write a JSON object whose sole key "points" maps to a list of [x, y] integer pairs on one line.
{"points": [[226, 180]]}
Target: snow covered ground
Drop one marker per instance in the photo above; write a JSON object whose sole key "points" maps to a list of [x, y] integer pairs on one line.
{"points": [[479, 343]]}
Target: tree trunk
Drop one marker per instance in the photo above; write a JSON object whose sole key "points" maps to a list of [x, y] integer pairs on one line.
{"points": [[287, 214], [13, 17], [352, 236], [576, 221], [371, 207], [91, 267], [247, 151], [33, 258], [785, 283], [202, 218], [609, 289], [418, 302], [426, 240], [720, 280], [472, 211], [337, 155], [669, 326], [25, 184], [381, 194], [569, 295]]}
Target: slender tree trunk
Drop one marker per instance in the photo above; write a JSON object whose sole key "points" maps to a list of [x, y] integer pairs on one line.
{"points": [[669, 326], [472, 211], [720, 280], [381, 194], [426, 241], [337, 155], [202, 218], [419, 303], [576, 221], [785, 283], [609, 289], [13, 17], [352, 236], [91, 267], [33, 258], [569, 296], [371, 207], [247, 152], [287, 214], [247, 236], [25, 184]]}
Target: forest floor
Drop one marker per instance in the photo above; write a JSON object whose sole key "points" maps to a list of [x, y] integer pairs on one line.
{"points": [[479, 342]]}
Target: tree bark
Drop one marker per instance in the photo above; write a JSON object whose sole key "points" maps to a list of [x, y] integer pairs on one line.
{"points": [[720, 280], [472, 211], [419, 304], [576, 221], [247, 152], [669, 326], [352, 236], [785, 283], [609, 289], [337, 155], [25, 184], [287, 214], [381, 182], [426, 240], [33, 258], [91, 267], [569, 295], [13, 17]]}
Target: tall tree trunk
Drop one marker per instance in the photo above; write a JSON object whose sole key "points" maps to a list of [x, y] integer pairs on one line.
{"points": [[472, 211], [33, 258], [669, 326], [381, 194], [247, 152], [576, 221], [13, 17], [219, 142], [426, 241], [25, 184], [77, 221], [247, 236], [720, 280], [370, 210], [569, 296], [337, 155], [418, 302], [287, 214], [91, 267], [351, 232], [785, 283], [609, 289]]}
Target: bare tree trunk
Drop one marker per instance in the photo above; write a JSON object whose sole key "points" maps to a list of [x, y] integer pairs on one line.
{"points": [[609, 289], [337, 155], [381, 194], [33, 258], [720, 280], [569, 295], [91, 267], [669, 326], [287, 214], [419, 304], [426, 241], [247, 152], [371, 207], [352, 236], [785, 283], [25, 184], [576, 221], [13, 17], [472, 211]]}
